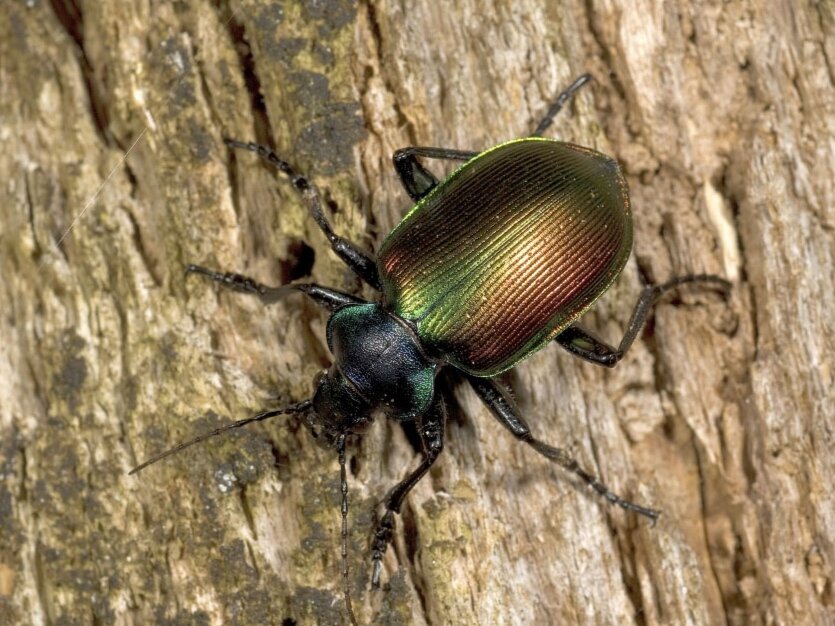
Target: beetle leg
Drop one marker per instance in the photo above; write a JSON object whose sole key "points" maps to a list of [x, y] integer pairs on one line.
{"points": [[417, 180], [431, 427], [361, 263], [323, 296], [587, 346], [508, 415], [559, 103]]}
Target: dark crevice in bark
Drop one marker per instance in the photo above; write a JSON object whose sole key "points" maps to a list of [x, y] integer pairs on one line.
{"points": [[70, 17], [373, 230], [411, 535], [625, 548], [377, 33], [23, 493], [253, 560], [299, 261], [30, 211], [237, 32], [724, 185], [604, 51], [216, 117], [40, 581], [703, 486], [61, 223], [247, 511], [132, 179], [234, 183], [139, 246]]}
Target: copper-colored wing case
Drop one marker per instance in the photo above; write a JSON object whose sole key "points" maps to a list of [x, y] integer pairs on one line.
{"points": [[510, 249]]}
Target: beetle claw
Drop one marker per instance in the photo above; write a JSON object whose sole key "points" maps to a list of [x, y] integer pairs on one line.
{"points": [[382, 538], [376, 570]]}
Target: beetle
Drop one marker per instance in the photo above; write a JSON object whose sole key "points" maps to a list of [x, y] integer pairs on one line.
{"points": [[491, 264]]}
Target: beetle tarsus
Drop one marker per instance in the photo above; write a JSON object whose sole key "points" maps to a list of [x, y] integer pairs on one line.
{"points": [[564, 459], [559, 103], [330, 299], [586, 345], [431, 428], [503, 409], [600, 488], [382, 538], [230, 280]]}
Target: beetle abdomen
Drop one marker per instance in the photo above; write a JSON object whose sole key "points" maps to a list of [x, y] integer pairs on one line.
{"points": [[508, 251]]}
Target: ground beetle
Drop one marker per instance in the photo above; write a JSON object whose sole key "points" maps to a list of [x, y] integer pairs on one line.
{"points": [[491, 264]]}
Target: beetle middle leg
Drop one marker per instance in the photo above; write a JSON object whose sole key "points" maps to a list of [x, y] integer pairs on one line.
{"points": [[431, 427], [508, 415], [326, 297], [361, 263], [584, 344]]}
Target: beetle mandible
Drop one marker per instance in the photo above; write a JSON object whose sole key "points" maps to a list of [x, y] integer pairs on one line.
{"points": [[522, 238]]}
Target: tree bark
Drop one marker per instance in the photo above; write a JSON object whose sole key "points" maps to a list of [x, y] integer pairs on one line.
{"points": [[114, 176]]}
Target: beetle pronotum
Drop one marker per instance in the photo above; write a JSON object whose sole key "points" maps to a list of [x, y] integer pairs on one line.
{"points": [[524, 237]]}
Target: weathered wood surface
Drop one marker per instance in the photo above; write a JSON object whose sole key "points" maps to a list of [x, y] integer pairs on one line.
{"points": [[722, 415]]}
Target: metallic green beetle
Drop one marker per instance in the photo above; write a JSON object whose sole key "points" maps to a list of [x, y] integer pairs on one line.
{"points": [[490, 265]]}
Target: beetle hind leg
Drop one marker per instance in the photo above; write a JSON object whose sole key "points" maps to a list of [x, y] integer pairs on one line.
{"points": [[431, 427], [584, 344], [361, 263], [508, 415]]}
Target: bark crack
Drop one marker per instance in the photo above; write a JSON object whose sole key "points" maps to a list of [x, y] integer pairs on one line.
{"points": [[625, 548], [237, 33], [703, 481], [411, 535], [71, 18]]}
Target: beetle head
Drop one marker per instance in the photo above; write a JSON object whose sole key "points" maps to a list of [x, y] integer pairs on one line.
{"points": [[338, 409]]}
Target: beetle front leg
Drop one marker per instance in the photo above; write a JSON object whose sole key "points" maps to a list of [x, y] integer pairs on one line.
{"points": [[416, 179], [323, 296], [431, 427], [361, 263], [508, 415], [584, 344]]}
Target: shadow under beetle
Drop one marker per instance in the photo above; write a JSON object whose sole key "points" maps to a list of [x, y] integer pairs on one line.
{"points": [[491, 264]]}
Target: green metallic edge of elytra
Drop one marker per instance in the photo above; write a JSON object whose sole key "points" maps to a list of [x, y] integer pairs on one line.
{"points": [[558, 329]]}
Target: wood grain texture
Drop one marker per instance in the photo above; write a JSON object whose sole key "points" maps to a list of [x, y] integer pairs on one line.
{"points": [[114, 176]]}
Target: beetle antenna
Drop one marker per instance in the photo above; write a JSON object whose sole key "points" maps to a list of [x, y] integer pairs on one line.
{"points": [[294, 408], [343, 485], [559, 103]]}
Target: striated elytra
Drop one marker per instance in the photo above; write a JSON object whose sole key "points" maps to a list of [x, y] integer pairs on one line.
{"points": [[509, 250], [492, 263]]}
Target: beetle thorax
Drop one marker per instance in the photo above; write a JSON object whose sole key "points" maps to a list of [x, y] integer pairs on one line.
{"points": [[381, 360]]}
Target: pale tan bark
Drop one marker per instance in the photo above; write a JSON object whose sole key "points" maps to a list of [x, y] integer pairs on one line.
{"points": [[723, 117]]}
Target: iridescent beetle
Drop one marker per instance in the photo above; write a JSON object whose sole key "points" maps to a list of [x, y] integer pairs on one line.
{"points": [[493, 263]]}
